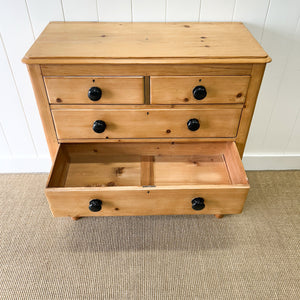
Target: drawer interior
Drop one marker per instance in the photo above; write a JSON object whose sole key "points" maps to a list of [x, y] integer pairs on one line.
{"points": [[116, 165]]}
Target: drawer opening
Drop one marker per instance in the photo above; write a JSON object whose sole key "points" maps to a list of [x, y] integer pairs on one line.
{"points": [[146, 179], [144, 165]]}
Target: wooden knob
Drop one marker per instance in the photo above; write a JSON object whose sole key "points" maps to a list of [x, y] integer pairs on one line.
{"points": [[198, 203], [199, 92], [95, 205], [94, 93], [99, 126], [193, 124]]}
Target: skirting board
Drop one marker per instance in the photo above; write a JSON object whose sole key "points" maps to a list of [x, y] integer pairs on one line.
{"points": [[251, 162], [271, 162], [25, 165]]}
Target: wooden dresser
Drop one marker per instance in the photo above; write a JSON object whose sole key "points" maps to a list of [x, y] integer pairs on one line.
{"points": [[146, 118]]}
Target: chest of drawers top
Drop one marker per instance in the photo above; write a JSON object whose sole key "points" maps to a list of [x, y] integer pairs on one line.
{"points": [[180, 43]]}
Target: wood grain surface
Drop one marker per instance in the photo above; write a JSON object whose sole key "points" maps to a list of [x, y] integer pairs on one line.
{"points": [[115, 90], [141, 123], [75, 41], [179, 89]]}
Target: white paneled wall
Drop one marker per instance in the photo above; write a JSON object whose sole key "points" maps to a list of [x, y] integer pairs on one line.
{"points": [[274, 139]]}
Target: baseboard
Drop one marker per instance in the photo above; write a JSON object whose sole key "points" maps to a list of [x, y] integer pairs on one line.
{"points": [[25, 165], [251, 162], [271, 162]]}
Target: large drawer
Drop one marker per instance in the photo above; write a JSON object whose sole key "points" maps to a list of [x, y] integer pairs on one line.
{"points": [[146, 179], [95, 90], [213, 121], [198, 89]]}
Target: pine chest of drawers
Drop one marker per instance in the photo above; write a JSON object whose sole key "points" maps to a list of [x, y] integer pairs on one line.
{"points": [[146, 118]]}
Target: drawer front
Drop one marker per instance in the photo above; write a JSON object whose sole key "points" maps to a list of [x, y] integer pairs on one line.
{"points": [[198, 89], [155, 123], [147, 201], [95, 90]]}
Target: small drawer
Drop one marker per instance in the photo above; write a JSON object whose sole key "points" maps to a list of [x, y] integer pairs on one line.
{"points": [[198, 89], [146, 179], [208, 121], [95, 90]]}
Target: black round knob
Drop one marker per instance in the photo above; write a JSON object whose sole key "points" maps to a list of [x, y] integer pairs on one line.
{"points": [[99, 126], [94, 93], [198, 203], [193, 124], [95, 205], [199, 92]]}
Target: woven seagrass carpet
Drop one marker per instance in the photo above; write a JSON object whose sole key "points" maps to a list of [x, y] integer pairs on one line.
{"points": [[254, 255]]}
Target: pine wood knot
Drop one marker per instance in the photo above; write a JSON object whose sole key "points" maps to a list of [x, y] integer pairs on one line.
{"points": [[119, 170]]}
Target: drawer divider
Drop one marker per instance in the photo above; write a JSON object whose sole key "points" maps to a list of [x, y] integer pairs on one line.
{"points": [[147, 171], [147, 90]]}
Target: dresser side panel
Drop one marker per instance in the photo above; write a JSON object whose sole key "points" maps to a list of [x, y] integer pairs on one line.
{"points": [[44, 108], [249, 106]]}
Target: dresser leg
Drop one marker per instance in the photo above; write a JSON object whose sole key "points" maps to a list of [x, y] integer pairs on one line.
{"points": [[75, 218], [219, 216]]}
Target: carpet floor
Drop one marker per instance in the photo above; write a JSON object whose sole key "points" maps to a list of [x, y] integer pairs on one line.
{"points": [[254, 255]]}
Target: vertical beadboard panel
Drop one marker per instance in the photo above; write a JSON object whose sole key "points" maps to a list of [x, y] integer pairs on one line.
{"points": [[217, 10], [80, 10], [148, 11], [4, 147], [278, 40], [12, 117], [182, 11], [293, 146], [42, 12], [253, 14], [287, 103], [114, 10], [17, 37]]}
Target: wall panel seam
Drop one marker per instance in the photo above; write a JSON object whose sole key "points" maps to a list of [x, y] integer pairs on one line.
{"points": [[30, 22], [265, 20], [200, 2], [132, 11], [97, 10], [166, 7], [5, 138], [62, 8], [292, 132], [233, 11]]}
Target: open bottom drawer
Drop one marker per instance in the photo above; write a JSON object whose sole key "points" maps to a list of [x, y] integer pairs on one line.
{"points": [[147, 179]]}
